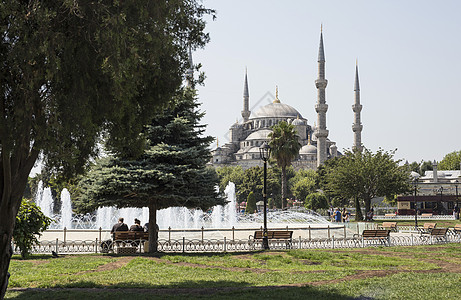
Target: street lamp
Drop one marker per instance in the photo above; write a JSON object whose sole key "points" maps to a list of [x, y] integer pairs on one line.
{"points": [[264, 152], [456, 187], [415, 183], [441, 197]]}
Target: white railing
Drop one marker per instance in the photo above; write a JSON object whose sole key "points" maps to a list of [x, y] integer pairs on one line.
{"points": [[236, 245]]}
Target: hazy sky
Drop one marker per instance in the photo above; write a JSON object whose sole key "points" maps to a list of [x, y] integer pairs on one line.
{"points": [[409, 66]]}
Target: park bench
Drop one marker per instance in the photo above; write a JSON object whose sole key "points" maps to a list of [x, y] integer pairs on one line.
{"points": [[389, 226], [426, 215], [376, 236], [457, 228], [427, 228], [128, 241], [440, 234], [282, 235]]}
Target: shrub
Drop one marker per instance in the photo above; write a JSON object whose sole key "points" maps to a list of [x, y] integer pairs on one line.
{"points": [[251, 203], [315, 201], [30, 222]]}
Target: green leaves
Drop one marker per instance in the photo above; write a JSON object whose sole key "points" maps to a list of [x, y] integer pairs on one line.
{"points": [[451, 161], [365, 175], [170, 172], [30, 222]]}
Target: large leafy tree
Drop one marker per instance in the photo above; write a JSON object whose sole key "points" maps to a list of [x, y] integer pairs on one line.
{"points": [[284, 148], [171, 172], [303, 183], [451, 161], [72, 70], [228, 174], [362, 176]]}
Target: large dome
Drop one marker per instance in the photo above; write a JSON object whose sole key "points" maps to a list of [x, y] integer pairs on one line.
{"points": [[276, 110]]}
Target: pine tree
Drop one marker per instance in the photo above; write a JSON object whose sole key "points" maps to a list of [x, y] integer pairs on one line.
{"points": [[171, 172]]}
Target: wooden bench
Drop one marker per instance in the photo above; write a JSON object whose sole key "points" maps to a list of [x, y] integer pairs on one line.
{"points": [[427, 228], [389, 226], [130, 235], [284, 235], [457, 228], [381, 236], [128, 241], [426, 215], [440, 234]]}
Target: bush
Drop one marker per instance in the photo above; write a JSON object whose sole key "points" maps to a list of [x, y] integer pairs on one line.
{"points": [[30, 222], [315, 201], [251, 203]]}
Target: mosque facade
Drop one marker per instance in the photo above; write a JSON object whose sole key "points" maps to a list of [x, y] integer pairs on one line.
{"points": [[247, 136]]}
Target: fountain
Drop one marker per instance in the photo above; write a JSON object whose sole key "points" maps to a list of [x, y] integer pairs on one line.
{"points": [[66, 209], [174, 217]]}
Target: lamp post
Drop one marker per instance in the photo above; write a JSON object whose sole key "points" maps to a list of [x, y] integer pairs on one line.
{"points": [[264, 152], [457, 205], [415, 183], [436, 191]]}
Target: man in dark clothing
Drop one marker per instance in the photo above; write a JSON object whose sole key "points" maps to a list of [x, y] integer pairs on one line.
{"points": [[137, 226], [120, 226]]}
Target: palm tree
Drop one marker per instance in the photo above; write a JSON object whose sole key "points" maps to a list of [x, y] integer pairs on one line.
{"points": [[284, 148]]}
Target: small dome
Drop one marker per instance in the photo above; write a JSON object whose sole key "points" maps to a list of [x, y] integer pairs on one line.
{"points": [[298, 122], [254, 150], [235, 125], [308, 149], [259, 135]]}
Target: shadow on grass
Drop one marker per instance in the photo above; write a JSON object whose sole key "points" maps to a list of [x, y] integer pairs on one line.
{"points": [[306, 292]]}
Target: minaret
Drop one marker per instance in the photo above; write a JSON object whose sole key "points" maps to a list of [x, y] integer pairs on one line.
{"points": [[321, 107], [246, 100], [357, 108], [190, 72]]}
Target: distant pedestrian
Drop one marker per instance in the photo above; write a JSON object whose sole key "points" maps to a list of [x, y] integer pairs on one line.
{"points": [[337, 215]]}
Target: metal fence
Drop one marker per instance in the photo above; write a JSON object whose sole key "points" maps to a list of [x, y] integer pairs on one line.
{"points": [[185, 245]]}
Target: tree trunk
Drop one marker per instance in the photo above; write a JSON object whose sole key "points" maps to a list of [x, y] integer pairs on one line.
{"points": [[7, 218], [14, 172], [358, 210], [9, 207], [367, 205], [153, 233], [284, 184]]}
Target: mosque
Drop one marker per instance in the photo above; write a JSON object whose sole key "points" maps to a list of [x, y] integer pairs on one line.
{"points": [[246, 137]]}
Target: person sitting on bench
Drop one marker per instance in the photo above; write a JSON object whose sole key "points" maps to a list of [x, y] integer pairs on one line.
{"points": [[137, 226], [120, 226]]}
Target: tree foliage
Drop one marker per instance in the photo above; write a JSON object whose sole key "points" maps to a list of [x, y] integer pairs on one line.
{"points": [[251, 203], [451, 161], [362, 176], [303, 183], [71, 71], [228, 174], [284, 148], [30, 222], [171, 172], [316, 201]]}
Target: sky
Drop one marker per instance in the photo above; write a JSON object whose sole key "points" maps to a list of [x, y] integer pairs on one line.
{"points": [[408, 55]]}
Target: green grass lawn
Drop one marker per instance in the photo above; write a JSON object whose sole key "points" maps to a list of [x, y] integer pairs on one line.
{"points": [[429, 272]]}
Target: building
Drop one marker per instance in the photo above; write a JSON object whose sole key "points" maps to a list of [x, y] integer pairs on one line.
{"points": [[247, 136], [435, 193]]}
